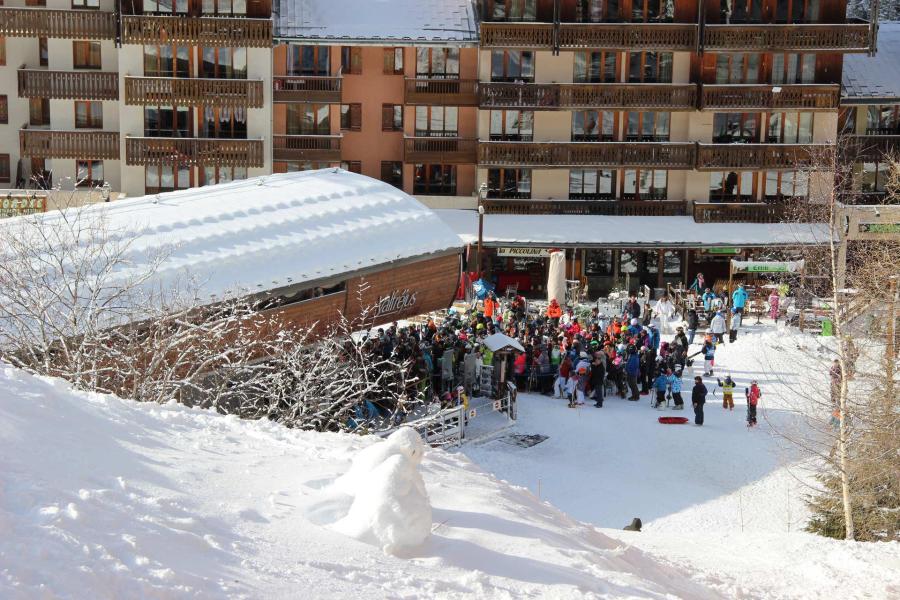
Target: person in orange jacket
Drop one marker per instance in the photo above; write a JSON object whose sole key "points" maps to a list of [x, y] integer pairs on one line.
{"points": [[554, 312], [491, 305]]}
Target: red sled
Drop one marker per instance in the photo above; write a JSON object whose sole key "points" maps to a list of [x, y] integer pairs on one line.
{"points": [[673, 420]]}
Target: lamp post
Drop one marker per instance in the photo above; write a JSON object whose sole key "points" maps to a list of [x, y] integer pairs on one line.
{"points": [[482, 194]]}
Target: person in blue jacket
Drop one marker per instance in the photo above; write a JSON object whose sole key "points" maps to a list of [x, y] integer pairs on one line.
{"points": [[675, 386], [739, 299], [661, 385], [654, 337], [632, 372]]}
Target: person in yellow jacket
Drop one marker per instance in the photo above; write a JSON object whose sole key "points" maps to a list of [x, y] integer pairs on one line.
{"points": [[727, 392]]}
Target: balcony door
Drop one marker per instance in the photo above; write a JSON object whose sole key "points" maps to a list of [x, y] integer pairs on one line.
{"points": [[311, 61]]}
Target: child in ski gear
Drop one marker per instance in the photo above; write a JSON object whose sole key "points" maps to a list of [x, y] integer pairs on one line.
{"points": [[709, 356], [735, 323], [571, 384], [661, 385], [727, 392], [559, 385], [675, 386], [698, 399], [753, 394]]}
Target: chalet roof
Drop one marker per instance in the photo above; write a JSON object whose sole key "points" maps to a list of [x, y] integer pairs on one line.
{"points": [[874, 79], [389, 21]]}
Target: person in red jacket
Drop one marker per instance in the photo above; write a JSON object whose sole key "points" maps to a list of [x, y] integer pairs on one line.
{"points": [[753, 395], [554, 312], [559, 386]]}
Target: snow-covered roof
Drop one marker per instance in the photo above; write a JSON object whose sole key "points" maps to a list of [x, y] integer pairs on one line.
{"points": [[873, 79], [394, 21], [595, 230], [270, 232], [499, 341]]}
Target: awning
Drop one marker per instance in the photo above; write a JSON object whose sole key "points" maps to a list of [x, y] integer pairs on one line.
{"points": [[500, 342]]}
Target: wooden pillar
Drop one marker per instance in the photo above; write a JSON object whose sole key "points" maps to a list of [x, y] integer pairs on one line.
{"points": [[660, 264]]}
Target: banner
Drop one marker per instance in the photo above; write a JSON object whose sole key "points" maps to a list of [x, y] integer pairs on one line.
{"points": [[751, 266], [524, 252]]}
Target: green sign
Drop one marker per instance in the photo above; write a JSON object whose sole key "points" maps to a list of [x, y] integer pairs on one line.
{"points": [[774, 268], [723, 250], [879, 227]]}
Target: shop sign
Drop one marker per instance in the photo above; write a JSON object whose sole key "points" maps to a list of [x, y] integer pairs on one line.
{"points": [[524, 252], [722, 251], [738, 266], [879, 227], [395, 302], [12, 206]]}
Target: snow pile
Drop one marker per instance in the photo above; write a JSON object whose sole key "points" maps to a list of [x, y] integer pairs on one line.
{"points": [[390, 505]]}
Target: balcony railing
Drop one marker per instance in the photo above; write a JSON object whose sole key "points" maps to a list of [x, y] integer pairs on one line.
{"points": [[738, 212], [516, 35], [452, 92], [297, 88], [869, 147], [712, 157], [75, 145], [316, 148], [193, 151], [439, 150], [831, 37], [204, 31], [551, 96], [155, 91], [661, 155], [50, 23], [804, 97], [68, 85], [624, 208], [629, 36]]}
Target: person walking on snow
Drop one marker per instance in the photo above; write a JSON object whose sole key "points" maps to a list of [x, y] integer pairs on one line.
{"points": [[665, 310], [774, 301], [675, 386], [739, 299], [717, 327], [753, 394], [709, 356], [698, 399], [727, 392], [693, 322], [661, 385], [735, 324]]}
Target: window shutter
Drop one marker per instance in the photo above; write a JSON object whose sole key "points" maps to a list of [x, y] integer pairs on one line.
{"points": [[355, 117]]}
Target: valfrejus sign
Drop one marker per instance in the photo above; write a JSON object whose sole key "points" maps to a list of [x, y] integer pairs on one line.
{"points": [[395, 302]]}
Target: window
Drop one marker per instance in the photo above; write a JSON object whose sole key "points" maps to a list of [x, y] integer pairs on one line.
{"points": [[223, 122], [729, 128], [308, 119], [295, 166], [650, 67], [43, 53], [648, 127], [166, 177], [167, 121], [793, 68], [86, 4], [4, 109], [671, 262], [592, 184], [509, 183], [351, 117], [351, 60], [354, 166], [790, 128], [593, 125], [437, 63], [847, 120], [236, 8], [786, 184], [435, 180], [88, 173], [644, 184], [167, 61], [874, 177], [598, 263], [437, 121], [210, 175], [883, 119], [392, 117], [732, 186], [652, 11], [512, 65], [393, 61], [2, 51], [88, 115], [165, 7], [4, 168], [595, 67], [596, 11], [796, 11], [223, 63], [737, 68], [512, 125], [628, 261], [38, 111], [86, 55], [308, 60], [513, 10], [392, 173], [740, 11]]}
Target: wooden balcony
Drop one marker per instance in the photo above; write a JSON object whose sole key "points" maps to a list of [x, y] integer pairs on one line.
{"points": [[325, 90], [437, 92], [201, 31], [831, 37], [554, 96], [738, 212], [805, 97], [50, 23], [303, 148], [619, 208], [155, 91], [439, 150], [516, 35], [194, 151], [714, 157], [869, 147], [660, 155], [671, 37], [75, 145], [68, 85]]}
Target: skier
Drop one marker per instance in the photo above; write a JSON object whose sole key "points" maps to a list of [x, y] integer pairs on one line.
{"points": [[598, 378], [753, 395], [727, 392], [675, 386], [654, 337], [735, 323], [709, 356], [717, 327], [571, 385], [661, 385], [698, 398], [665, 310], [774, 301]]}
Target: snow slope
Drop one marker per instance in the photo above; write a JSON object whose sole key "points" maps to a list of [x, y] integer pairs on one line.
{"points": [[721, 502], [104, 498]]}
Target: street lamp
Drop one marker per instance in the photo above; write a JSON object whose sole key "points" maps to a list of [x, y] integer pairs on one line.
{"points": [[104, 191], [482, 194]]}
